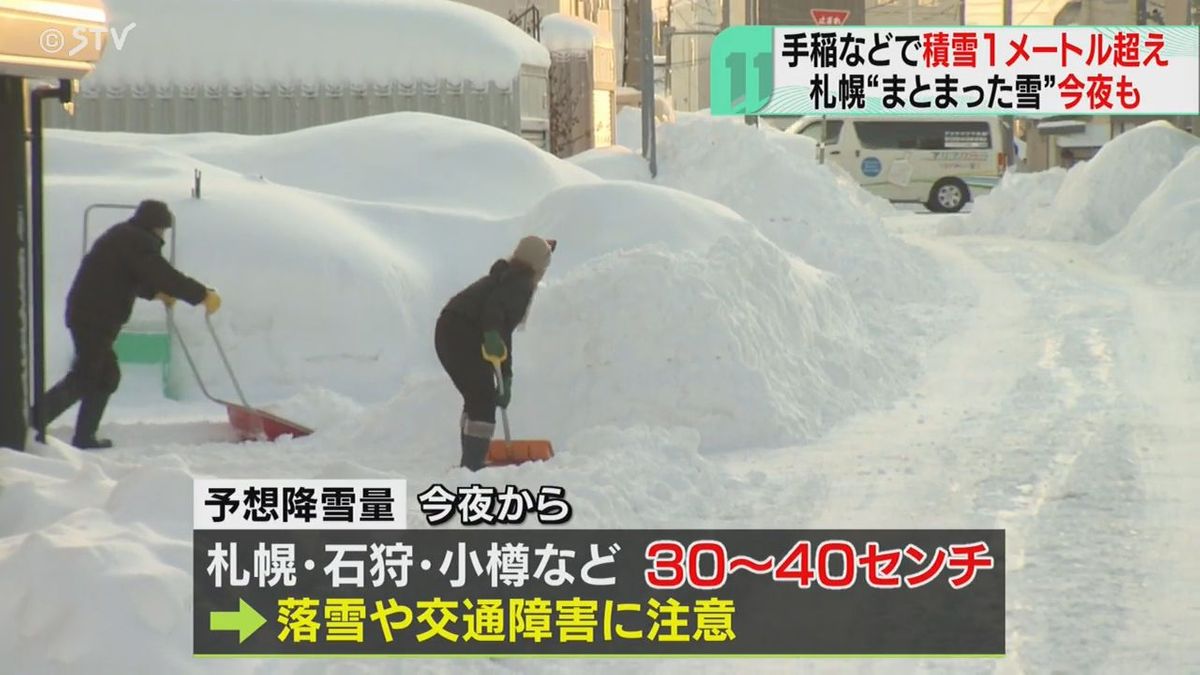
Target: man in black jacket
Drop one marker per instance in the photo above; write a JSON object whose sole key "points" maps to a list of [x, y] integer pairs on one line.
{"points": [[124, 264], [479, 322]]}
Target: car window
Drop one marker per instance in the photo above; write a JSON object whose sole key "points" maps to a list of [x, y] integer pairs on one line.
{"points": [[813, 131], [924, 135]]}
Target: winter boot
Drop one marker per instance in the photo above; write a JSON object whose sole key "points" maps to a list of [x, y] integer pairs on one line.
{"points": [[91, 409]]}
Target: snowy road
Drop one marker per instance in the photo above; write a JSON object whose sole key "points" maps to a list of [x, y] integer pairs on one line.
{"points": [[1064, 411]]}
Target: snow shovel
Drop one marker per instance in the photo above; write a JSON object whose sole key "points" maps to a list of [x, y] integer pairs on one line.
{"points": [[249, 422], [508, 451]]}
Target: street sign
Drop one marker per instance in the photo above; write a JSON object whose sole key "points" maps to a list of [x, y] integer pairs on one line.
{"points": [[829, 17]]}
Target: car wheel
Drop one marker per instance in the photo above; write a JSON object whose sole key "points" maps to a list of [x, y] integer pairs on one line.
{"points": [[948, 195]]}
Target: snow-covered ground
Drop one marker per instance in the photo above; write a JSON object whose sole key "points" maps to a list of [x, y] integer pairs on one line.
{"points": [[747, 340]]}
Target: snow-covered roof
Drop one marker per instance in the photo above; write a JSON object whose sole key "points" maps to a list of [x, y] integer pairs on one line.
{"points": [[335, 41], [565, 33]]}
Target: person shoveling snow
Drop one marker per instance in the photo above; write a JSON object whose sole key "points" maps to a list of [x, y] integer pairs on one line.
{"points": [[475, 330], [125, 263]]}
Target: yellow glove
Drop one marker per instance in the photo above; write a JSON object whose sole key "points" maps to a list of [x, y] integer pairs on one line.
{"points": [[166, 299], [212, 302]]}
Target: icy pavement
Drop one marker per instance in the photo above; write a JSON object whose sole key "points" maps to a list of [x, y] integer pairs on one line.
{"points": [[1064, 412]]}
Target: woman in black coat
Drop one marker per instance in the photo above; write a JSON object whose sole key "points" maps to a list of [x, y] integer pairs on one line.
{"points": [[477, 325]]}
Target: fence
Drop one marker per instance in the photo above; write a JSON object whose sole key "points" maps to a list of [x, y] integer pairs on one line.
{"points": [[520, 106]]}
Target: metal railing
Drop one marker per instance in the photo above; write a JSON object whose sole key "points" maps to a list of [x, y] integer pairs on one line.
{"points": [[528, 20]]}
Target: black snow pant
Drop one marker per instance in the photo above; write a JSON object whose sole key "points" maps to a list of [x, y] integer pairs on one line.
{"points": [[459, 345], [93, 378]]}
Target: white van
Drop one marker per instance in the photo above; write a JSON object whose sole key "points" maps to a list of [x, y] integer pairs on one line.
{"points": [[940, 162]]}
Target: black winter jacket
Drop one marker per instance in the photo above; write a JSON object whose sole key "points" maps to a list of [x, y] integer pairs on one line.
{"points": [[125, 263], [496, 302]]}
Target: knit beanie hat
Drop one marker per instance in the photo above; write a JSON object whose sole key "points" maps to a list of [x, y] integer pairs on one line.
{"points": [[535, 252], [152, 213]]}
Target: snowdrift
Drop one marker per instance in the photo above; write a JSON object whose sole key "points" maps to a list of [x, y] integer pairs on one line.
{"points": [[1096, 198], [1162, 240], [772, 179], [754, 348], [418, 160]]}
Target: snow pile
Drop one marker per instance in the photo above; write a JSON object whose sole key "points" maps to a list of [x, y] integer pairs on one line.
{"points": [[594, 220], [565, 33], [310, 41], [89, 563], [415, 159], [1162, 240], [773, 180], [1096, 198], [1097, 201], [739, 340], [615, 162], [1013, 203]]}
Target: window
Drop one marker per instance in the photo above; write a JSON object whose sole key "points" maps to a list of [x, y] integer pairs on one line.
{"points": [[924, 135], [813, 131]]}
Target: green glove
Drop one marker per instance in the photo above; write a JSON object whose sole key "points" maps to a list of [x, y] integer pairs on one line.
{"points": [[493, 346], [503, 397]]}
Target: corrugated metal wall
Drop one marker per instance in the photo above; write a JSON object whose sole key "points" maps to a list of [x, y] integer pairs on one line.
{"points": [[521, 107]]}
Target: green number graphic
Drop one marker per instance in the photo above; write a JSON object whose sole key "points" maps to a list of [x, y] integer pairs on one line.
{"points": [[742, 72]]}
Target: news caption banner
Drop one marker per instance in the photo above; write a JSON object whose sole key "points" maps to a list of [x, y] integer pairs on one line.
{"points": [[328, 569], [956, 70]]}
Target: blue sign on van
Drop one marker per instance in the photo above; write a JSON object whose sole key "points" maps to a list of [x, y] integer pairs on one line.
{"points": [[871, 166]]}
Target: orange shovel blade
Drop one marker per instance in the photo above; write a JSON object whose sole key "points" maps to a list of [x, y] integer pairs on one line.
{"points": [[519, 452]]}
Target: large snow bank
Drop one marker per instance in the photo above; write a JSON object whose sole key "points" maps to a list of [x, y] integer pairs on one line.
{"points": [[1162, 240], [310, 41], [1011, 206], [1097, 201], [414, 159], [739, 340], [773, 180], [1096, 198]]}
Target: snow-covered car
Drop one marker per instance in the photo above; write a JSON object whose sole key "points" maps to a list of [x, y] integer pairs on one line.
{"points": [[941, 162]]}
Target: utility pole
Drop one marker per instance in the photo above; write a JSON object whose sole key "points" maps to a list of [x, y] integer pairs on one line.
{"points": [[1009, 120], [14, 427], [649, 142], [751, 20]]}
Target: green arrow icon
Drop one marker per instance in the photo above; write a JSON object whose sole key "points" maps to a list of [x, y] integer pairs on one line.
{"points": [[245, 620]]}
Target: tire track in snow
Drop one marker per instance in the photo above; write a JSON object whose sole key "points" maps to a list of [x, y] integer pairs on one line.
{"points": [[1161, 634], [1062, 461]]}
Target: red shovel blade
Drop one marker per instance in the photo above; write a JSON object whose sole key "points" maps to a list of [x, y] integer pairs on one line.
{"points": [[252, 424], [501, 453]]}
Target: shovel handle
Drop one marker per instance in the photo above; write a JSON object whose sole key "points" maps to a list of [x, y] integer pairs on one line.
{"points": [[171, 328], [503, 411], [225, 360]]}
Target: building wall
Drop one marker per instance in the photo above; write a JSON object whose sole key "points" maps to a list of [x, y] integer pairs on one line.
{"points": [[914, 12]]}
